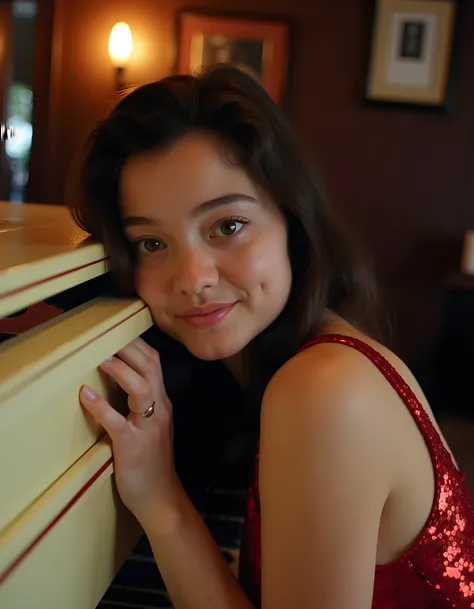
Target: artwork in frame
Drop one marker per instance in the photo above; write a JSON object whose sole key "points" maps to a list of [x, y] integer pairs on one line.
{"points": [[412, 53], [256, 45]]}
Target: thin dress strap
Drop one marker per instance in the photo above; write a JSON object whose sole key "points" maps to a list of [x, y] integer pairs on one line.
{"points": [[428, 430]]}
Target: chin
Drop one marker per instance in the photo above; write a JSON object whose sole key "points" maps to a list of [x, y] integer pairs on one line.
{"points": [[213, 348]]}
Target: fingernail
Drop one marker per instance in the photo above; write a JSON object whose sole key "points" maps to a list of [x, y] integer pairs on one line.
{"points": [[109, 359], [89, 394]]}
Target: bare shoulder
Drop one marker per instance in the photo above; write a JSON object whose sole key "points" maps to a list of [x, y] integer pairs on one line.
{"points": [[331, 407], [340, 379], [333, 396], [328, 379]]}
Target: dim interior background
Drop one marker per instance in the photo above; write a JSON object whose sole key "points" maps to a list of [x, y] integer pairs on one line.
{"points": [[403, 178]]}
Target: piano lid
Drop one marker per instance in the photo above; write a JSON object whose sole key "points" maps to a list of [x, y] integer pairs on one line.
{"points": [[42, 252]]}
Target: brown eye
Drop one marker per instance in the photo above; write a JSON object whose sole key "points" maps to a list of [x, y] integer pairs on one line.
{"points": [[149, 246], [228, 227]]}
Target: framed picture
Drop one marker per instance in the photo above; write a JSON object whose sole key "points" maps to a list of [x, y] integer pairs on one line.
{"points": [[412, 53], [256, 45]]}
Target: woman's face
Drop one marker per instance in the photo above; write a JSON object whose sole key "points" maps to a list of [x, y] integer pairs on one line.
{"points": [[212, 259]]}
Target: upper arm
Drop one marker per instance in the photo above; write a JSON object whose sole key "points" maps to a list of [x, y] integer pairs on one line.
{"points": [[323, 485]]}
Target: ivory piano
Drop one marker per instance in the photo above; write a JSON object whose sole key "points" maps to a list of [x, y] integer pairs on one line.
{"points": [[63, 531]]}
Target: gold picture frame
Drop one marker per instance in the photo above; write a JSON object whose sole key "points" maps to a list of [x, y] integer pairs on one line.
{"points": [[412, 53]]}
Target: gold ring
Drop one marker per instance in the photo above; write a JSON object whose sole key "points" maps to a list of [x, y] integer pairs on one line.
{"points": [[147, 414]]}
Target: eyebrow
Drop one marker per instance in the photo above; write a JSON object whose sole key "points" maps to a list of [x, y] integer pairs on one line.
{"points": [[200, 209]]}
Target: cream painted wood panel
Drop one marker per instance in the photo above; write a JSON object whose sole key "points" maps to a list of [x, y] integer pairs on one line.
{"points": [[43, 429], [42, 253], [63, 554], [64, 533]]}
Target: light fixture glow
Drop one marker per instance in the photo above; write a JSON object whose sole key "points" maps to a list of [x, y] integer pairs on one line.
{"points": [[120, 44]]}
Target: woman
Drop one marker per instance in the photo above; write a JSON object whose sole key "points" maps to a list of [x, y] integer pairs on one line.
{"points": [[208, 210]]}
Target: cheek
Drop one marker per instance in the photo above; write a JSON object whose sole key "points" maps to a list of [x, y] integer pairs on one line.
{"points": [[148, 287], [265, 262]]}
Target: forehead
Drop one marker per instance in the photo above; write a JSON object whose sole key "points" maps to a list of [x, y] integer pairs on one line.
{"points": [[197, 168]]}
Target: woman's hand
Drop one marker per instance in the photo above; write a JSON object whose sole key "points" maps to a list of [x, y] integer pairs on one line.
{"points": [[143, 447]]}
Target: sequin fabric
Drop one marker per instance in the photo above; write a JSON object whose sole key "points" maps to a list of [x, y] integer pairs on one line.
{"points": [[438, 571]]}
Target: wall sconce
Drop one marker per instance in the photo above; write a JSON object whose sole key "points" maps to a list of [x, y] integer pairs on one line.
{"points": [[120, 49]]}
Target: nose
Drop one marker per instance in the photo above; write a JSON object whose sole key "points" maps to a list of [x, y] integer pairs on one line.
{"points": [[195, 271]]}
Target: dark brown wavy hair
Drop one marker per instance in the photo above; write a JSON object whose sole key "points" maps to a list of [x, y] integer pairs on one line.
{"points": [[327, 271]]}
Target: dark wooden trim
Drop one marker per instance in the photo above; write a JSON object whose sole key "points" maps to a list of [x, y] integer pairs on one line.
{"points": [[6, 65], [39, 187], [6, 28]]}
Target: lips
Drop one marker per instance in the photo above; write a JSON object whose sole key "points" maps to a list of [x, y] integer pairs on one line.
{"points": [[207, 315]]}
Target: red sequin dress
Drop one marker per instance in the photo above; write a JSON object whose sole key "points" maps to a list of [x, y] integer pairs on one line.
{"points": [[438, 571]]}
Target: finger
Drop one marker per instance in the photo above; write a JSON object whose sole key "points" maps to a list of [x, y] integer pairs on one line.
{"points": [[111, 420], [141, 347], [142, 422], [154, 355], [135, 357], [146, 361], [144, 346], [136, 386], [140, 395]]}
